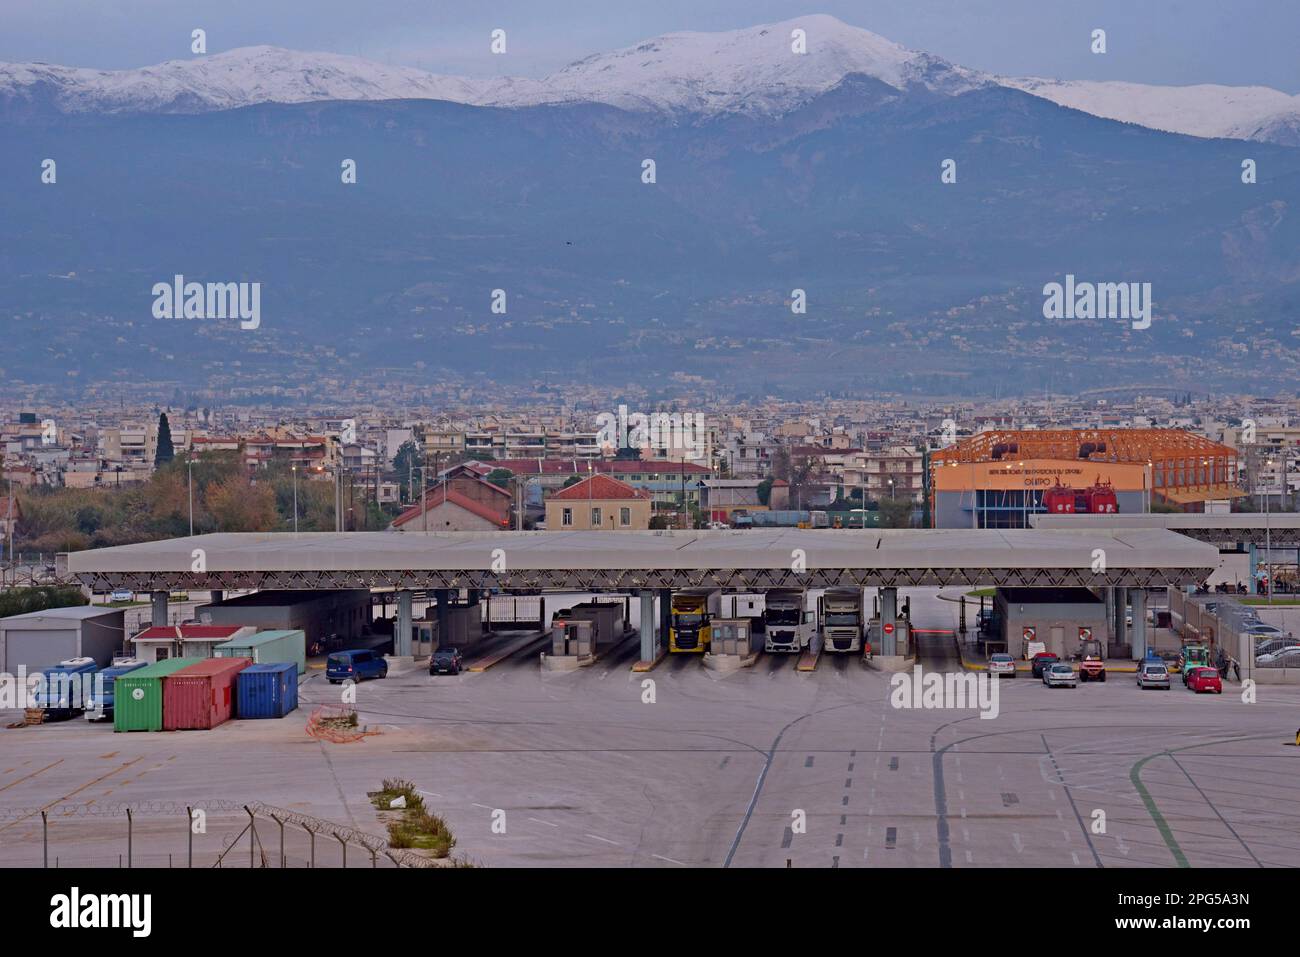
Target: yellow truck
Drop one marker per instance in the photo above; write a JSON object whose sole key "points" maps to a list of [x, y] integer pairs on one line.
{"points": [[693, 611]]}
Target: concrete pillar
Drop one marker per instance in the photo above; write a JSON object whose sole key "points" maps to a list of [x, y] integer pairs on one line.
{"points": [[646, 625], [888, 617], [216, 595], [1253, 584], [159, 601], [444, 607], [1121, 612], [1108, 593], [402, 628], [1139, 598], [665, 616]]}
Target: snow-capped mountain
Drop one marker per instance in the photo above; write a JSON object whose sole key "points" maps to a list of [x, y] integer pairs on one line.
{"points": [[753, 70], [224, 81], [747, 71], [1207, 110]]}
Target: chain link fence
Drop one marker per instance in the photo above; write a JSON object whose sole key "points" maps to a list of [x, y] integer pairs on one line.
{"points": [[165, 834]]}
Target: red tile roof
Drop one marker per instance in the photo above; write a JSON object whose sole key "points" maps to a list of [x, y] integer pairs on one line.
{"points": [[600, 488], [436, 496], [190, 632]]}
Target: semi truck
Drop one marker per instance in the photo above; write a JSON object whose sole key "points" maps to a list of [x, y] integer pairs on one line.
{"points": [[843, 621], [786, 625], [693, 611]]}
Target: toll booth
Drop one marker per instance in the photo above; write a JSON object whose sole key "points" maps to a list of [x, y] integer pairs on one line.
{"points": [[735, 644], [572, 645], [608, 619]]}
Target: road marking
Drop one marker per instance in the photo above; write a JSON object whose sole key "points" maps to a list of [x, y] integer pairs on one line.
{"points": [[1019, 844], [483, 806], [668, 859], [539, 821], [968, 857], [597, 837]]}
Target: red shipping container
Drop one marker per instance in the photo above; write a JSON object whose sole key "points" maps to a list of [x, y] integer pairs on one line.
{"points": [[201, 696]]}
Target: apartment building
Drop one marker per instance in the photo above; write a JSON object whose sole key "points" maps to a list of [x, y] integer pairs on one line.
{"points": [[599, 503]]}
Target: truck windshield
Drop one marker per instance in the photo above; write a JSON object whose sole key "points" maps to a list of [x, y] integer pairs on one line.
{"points": [[782, 616], [688, 617], [841, 618]]}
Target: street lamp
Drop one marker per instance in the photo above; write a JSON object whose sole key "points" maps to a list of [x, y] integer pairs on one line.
{"points": [[294, 469], [189, 468]]}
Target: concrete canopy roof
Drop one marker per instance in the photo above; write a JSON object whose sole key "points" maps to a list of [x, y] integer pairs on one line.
{"points": [[656, 559], [1281, 528]]}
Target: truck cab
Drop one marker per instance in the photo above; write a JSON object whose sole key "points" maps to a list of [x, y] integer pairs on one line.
{"points": [[843, 622], [787, 626], [693, 611]]}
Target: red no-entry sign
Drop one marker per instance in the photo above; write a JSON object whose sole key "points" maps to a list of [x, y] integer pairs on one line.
{"points": [[889, 629]]}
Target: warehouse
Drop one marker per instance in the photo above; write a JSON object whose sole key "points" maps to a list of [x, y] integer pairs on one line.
{"points": [[39, 639], [1001, 479]]}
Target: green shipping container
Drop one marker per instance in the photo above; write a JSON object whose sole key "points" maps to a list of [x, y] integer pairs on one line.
{"points": [[268, 648], [138, 696]]}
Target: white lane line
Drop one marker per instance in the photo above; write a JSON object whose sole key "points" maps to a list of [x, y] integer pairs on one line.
{"points": [[963, 812], [432, 794], [968, 857], [483, 806], [1074, 857], [668, 859], [1019, 844], [965, 834], [597, 837], [540, 821]]}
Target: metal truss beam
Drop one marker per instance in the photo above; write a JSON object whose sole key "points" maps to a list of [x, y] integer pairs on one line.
{"points": [[578, 579]]}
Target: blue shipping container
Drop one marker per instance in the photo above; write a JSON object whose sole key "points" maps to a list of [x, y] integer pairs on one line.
{"points": [[266, 691]]}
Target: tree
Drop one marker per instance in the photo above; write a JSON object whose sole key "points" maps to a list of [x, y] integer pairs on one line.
{"points": [[405, 463], [166, 451], [500, 477], [896, 513], [765, 491], [572, 480]]}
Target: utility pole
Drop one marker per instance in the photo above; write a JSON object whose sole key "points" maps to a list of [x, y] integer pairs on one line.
{"points": [[189, 468], [295, 498]]}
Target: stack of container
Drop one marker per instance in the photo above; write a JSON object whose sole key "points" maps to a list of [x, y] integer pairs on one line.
{"points": [[267, 690], [268, 647], [138, 696], [202, 695]]}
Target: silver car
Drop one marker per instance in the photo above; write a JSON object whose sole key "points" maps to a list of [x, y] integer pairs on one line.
{"points": [[1001, 664], [1153, 674], [1060, 675]]}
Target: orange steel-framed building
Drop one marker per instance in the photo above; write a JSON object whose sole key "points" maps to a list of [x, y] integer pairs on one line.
{"points": [[997, 479]]}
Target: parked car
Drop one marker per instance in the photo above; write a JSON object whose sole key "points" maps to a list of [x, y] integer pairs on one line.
{"points": [[121, 594], [355, 665], [1060, 675], [1205, 679], [1274, 645], [1262, 629], [1001, 664], [445, 661], [1042, 660], [1153, 674], [1288, 657]]}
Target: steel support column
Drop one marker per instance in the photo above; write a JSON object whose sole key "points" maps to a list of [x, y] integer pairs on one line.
{"points": [[1253, 585], [646, 625], [402, 629], [158, 600], [1121, 614], [1139, 598], [888, 621], [665, 616]]}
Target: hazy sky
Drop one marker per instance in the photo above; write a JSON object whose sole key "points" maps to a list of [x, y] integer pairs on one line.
{"points": [[1154, 41]]}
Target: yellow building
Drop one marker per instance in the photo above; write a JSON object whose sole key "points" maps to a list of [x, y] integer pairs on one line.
{"points": [[598, 503]]}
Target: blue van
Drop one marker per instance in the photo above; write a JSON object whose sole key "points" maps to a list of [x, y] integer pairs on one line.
{"points": [[355, 665], [65, 688], [102, 709]]}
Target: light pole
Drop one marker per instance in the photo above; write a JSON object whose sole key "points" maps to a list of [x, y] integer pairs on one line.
{"points": [[189, 468], [1268, 536], [294, 469]]}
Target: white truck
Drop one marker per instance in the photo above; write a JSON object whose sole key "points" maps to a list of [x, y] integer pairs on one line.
{"points": [[843, 621], [787, 626]]}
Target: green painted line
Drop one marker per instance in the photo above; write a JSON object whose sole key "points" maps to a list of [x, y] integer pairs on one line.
{"points": [[1135, 775]]}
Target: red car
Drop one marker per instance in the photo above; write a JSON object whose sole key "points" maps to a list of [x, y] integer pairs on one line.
{"points": [[1205, 679]]}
